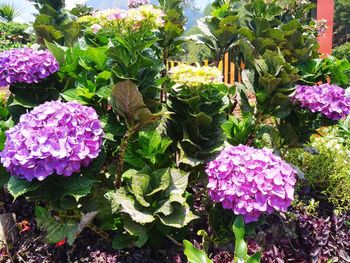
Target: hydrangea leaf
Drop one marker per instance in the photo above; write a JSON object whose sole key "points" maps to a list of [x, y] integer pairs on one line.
{"points": [[160, 181], [180, 217], [57, 50], [178, 182], [140, 184], [167, 208], [76, 186], [128, 102], [128, 205], [98, 56], [18, 187], [148, 149], [68, 190], [111, 126], [122, 241], [135, 229], [56, 231], [105, 91], [72, 95]]}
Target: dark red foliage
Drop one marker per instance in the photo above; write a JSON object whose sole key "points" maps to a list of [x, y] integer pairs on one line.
{"points": [[223, 257], [307, 238]]}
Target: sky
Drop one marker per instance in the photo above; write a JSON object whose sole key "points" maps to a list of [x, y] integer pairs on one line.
{"points": [[26, 8]]}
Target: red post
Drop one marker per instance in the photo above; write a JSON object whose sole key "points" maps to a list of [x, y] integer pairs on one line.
{"points": [[325, 10]]}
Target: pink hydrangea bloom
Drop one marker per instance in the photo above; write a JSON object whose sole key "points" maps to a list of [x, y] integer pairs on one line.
{"points": [[329, 100], [26, 65], [96, 28], [251, 181], [54, 138]]}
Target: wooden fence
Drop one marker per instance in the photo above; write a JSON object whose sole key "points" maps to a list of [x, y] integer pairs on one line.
{"points": [[230, 67]]}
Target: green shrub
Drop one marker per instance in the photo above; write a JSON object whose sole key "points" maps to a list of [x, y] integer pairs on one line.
{"points": [[13, 35], [342, 51], [326, 171]]}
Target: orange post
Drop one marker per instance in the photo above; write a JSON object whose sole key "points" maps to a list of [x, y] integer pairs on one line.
{"points": [[226, 68], [325, 10]]}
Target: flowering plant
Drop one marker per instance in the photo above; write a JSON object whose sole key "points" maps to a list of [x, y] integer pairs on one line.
{"points": [[54, 137], [194, 77], [122, 21], [199, 99], [26, 65], [329, 100], [251, 181]]}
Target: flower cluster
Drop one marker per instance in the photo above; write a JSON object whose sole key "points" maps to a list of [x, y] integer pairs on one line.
{"points": [[55, 137], [251, 181], [191, 76], [329, 100], [26, 65], [145, 16], [137, 3]]}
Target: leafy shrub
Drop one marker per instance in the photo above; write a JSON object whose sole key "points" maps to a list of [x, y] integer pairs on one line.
{"points": [[53, 24], [330, 69], [13, 35], [150, 199], [342, 51], [326, 170], [150, 171], [305, 236], [198, 100]]}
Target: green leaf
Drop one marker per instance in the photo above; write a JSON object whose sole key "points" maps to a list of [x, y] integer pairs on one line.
{"points": [[238, 228], [58, 51], [160, 181], [180, 216], [174, 193], [98, 56], [73, 95], [18, 187], [128, 102], [126, 204], [195, 255], [56, 231], [135, 229], [122, 241], [254, 258], [139, 186]]}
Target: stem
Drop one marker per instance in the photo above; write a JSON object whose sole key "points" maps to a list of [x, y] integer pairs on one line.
{"points": [[121, 156]]}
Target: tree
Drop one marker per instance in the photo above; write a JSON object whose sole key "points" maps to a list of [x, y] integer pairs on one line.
{"points": [[8, 12], [341, 22]]}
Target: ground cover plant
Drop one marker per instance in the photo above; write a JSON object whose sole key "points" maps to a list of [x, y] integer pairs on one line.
{"points": [[107, 155]]}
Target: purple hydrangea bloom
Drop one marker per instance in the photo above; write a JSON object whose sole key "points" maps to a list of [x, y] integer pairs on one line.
{"points": [[329, 100], [251, 181], [137, 3], [55, 137], [26, 65]]}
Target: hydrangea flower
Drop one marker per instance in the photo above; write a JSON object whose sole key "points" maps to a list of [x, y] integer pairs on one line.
{"points": [[137, 3], [26, 65], [147, 16], [191, 76], [55, 137], [251, 181], [329, 100]]}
